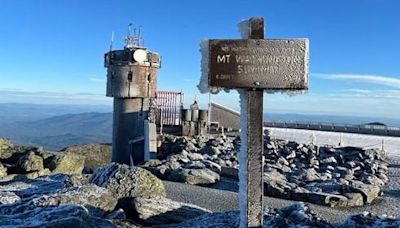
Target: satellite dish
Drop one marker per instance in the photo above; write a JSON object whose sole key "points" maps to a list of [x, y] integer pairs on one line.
{"points": [[140, 55]]}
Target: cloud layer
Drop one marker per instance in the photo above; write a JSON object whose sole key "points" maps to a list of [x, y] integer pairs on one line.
{"points": [[371, 79]]}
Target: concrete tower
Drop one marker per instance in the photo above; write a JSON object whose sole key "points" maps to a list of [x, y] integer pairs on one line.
{"points": [[132, 82]]}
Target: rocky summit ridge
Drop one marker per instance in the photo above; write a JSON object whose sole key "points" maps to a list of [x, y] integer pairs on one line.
{"points": [[39, 188]]}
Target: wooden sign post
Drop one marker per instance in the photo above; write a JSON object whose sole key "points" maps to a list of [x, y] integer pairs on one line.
{"points": [[253, 65]]}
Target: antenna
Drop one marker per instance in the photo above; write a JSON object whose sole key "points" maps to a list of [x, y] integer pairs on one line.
{"points": [[129, 38], [112, 41], [134, 40]]}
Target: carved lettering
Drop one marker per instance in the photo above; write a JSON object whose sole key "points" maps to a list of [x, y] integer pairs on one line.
{"points": [[274, 64], [223, 58]]}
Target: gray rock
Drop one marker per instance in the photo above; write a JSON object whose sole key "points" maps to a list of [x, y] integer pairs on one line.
{"points": [[61, 216], [125, 181], [90, 196], [329, 160], [67, 163], [297, 215], [195, 165], [117, 214], [210, 150], [354, 199], [194, 176], [366, 219], [195, 156], [212, 166], [369, 192], [8, 197], [310, 175], [30, 162], [39, 173], [3, 170], [28, 188], [327, 199], [160, 210], [152, 163]]}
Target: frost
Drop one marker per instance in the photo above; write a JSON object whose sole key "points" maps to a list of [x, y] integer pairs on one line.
{"points": [[203, 85], [243, 158], [290, 93]]}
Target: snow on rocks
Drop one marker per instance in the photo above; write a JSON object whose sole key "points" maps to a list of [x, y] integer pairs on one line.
{"points": [[297, 215], [161, 210], [197, 161], [125, 181], [326, 175]]}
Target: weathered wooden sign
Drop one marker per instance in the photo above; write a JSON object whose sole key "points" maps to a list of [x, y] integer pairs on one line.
{"points": [[259, 63], [254, 65]]}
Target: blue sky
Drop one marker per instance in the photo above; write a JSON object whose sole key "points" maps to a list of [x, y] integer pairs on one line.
{"points": [[51, 51]]}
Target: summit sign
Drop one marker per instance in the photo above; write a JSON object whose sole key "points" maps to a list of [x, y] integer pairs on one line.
{"points": [[259, 63]]}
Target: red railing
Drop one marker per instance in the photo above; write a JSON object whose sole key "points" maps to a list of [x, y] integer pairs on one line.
{"points": [[169, 107]]}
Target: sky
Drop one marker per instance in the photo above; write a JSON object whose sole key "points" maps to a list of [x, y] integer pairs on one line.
{"points": [[51, 51]]}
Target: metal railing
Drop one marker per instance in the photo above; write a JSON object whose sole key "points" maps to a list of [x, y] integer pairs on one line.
{"points": [[348, 128]]}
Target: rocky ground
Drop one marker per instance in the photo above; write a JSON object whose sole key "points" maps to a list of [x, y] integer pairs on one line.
{"points": [[50, 189], [326, 175]]}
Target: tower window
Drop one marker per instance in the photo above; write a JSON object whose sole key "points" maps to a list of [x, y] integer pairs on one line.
{"points": [[130, 76]]}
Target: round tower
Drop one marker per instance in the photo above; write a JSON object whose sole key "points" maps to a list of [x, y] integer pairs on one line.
{"points": [[132, 82]]}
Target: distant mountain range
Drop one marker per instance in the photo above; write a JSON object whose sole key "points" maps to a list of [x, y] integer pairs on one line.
{"points": [[330, 119], [58, 126], [55, 126]]}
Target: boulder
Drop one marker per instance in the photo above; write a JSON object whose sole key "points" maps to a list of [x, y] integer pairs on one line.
{"points": [[8, 197], [367, 219], [160, 210], [30, 162], [96, 155], [354, 199], [210, 150], [195, 156], [91, 196], [3, 170], [202, 176], [125, 181], [49, 216], [369, 192], [152, 163], [327, 199], [30, 188], [5, 145], [76, 180], [39, 173], [212, 166], [66, 163]]}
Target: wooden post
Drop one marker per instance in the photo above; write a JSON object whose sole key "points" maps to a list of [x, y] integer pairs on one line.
{"points": [[255, 146], [251, 65]]}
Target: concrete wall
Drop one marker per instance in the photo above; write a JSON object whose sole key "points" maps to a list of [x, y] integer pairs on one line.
{"points": [[225, 116]]}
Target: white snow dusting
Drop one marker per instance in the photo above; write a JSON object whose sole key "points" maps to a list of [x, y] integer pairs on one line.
{"points": [[243, 159], [391, 144], [203, 85]]}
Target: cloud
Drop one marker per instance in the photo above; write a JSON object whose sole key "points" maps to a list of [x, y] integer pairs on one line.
{"points": [[381, 95], [98, 79], [372, 79]]}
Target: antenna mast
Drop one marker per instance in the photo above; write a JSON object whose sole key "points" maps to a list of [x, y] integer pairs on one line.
{"points": [[112, 41]]}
